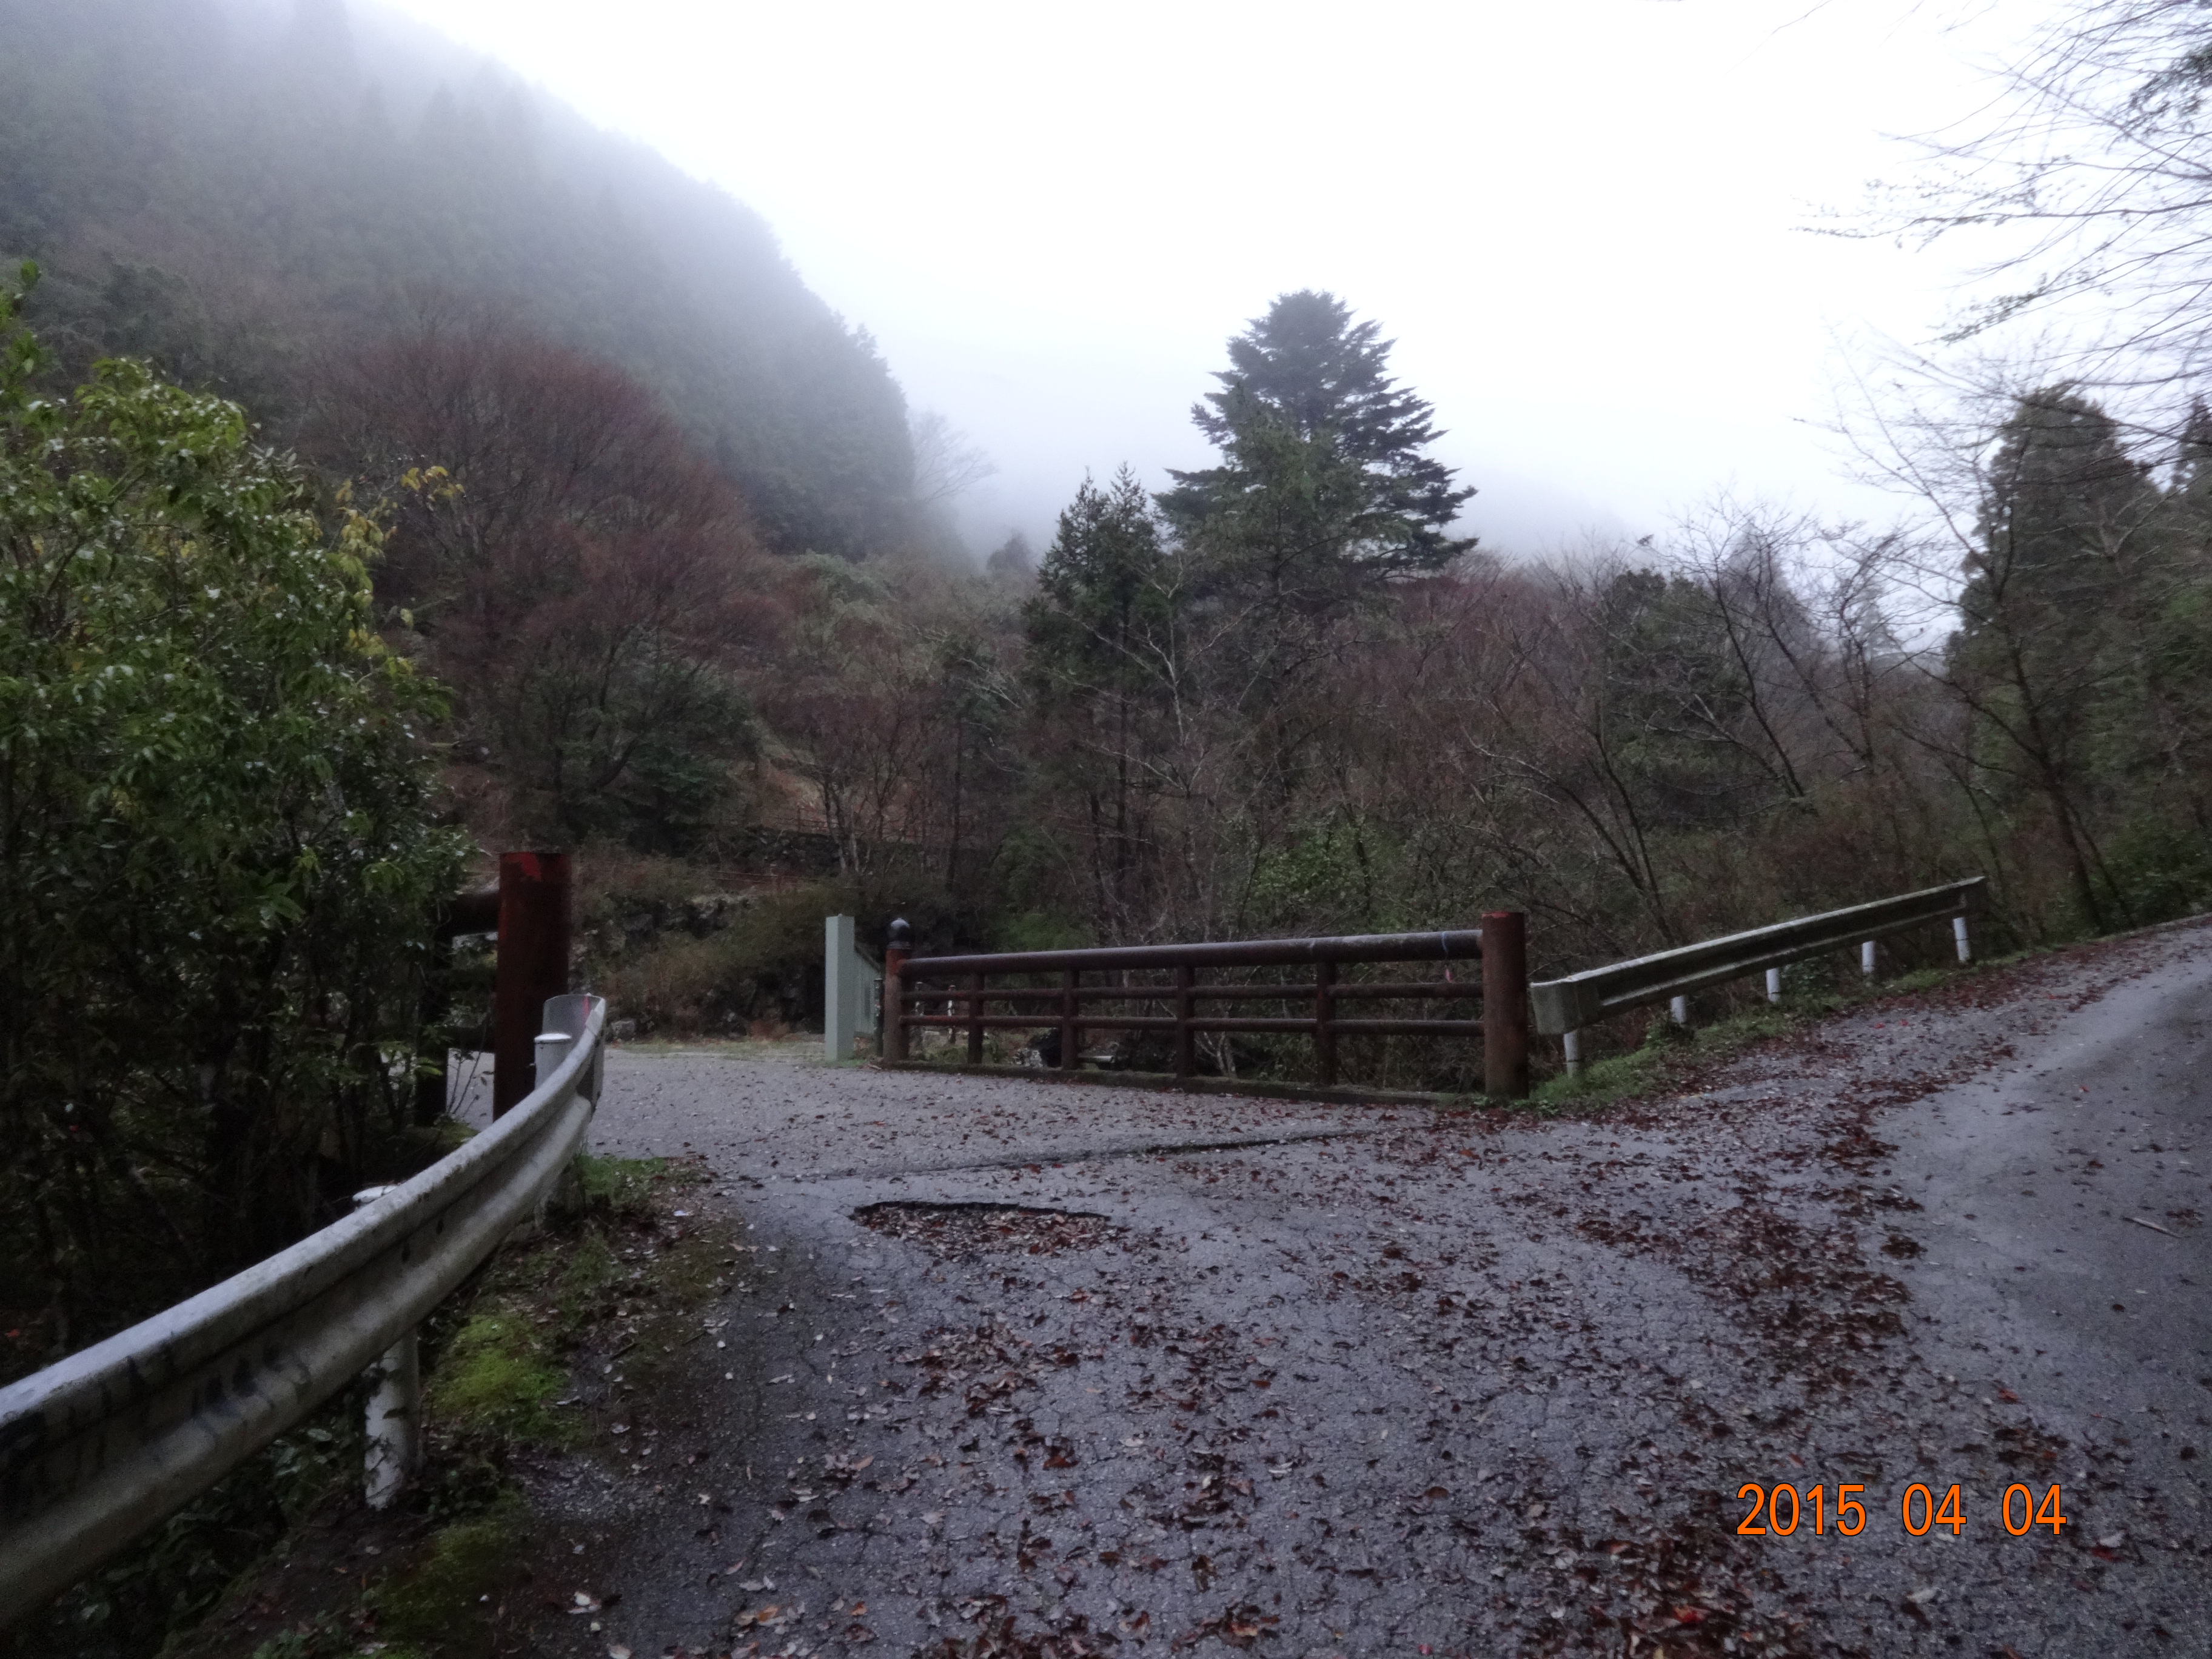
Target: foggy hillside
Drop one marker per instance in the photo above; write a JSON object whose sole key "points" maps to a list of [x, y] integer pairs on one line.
{"points": [[241, 192]]}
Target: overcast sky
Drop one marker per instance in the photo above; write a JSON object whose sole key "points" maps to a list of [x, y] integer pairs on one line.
{"points": [[1581, 221]]}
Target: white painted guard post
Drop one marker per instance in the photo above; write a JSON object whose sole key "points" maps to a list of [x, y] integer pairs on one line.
{"points": [[849, 997], [395, 1406]]}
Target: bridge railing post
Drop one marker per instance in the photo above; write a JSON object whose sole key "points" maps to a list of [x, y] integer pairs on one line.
{"points": [[898, 945], [1505, 1005], [532, 966]]}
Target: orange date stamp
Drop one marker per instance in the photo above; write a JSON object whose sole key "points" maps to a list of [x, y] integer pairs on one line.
{"points": [[1779, 1510]]}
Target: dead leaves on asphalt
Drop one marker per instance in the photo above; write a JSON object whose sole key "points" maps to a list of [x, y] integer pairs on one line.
{"points": [[956, 1231]]}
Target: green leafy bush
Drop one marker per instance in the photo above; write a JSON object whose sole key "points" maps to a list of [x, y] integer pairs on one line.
{"points": [[218, 850]]}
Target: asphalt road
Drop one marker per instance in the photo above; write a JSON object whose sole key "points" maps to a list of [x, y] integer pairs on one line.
{"points": [[1310, 1380]]}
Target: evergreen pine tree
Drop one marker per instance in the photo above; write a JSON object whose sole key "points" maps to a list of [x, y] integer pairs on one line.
{"points": [[1323, 492]]}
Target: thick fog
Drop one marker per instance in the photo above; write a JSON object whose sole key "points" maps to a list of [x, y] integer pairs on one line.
{"points": [[1585, 225]]}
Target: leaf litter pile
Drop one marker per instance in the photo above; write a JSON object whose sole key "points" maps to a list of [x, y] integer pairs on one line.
{"points": [[951, 1231]]}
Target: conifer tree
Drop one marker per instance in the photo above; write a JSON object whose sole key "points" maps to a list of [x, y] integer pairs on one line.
{"points": [[1324, 491]]}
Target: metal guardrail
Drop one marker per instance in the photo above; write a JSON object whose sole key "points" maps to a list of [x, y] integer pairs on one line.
{"points": [[100, 1447], [1563, 1006], [1500, 944]]}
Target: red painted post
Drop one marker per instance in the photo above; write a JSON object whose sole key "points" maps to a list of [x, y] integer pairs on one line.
{"points": [[898, 945], [1325, 1023], [1068, 1035], [1505, 1005], [532, 966], [1186, 1062], [975, 1019]]}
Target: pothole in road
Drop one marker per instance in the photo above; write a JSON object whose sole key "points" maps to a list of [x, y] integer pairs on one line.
{"points": [[957, 1229]]}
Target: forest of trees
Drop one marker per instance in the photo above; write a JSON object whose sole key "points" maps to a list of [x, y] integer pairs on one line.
{"points": [[639, 517]]}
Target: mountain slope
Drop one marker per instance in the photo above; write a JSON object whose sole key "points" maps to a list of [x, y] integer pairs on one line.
{"points": [[242, 192]]}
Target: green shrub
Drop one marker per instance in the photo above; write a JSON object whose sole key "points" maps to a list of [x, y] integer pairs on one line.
{"points": [[221, 850]]}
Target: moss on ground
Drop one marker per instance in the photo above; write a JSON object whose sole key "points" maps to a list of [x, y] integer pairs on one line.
{"points": [[1669, 1052], [500, 1376], [440, 1599]]}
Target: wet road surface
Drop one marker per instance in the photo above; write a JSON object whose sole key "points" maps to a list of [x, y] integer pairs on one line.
{"points": [[1042, 1369]]}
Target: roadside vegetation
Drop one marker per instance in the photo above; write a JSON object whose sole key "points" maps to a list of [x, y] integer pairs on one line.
{"points": [[282, 1560]]}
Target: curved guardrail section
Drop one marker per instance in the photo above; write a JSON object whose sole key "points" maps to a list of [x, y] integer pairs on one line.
{"points": [[1564, 1005], [98, 1447]]}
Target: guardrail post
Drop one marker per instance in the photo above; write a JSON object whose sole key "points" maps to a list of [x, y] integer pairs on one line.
{"points": [[1866, 959], [1678, 1010], [395, 1409], [1325, 1023], [1068, 977], [898, 945], [976, 1019], [1186, 1061], [1572, 1042], [1505, 1003], [1774, 985], [533, 965], [1958, 934]]}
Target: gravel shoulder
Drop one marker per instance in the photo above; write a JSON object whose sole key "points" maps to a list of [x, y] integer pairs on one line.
{"points": [[1040, 1369]]}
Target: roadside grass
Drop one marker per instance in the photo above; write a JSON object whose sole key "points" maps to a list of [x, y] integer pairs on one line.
{"points": [[1669, 1053]]}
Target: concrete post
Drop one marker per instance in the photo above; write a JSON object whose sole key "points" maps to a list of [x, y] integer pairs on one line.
{"points": [[1866, 959], [1959, 935], [1774, 985], [1679, 1011], [395, 1409], [841, 992]]}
